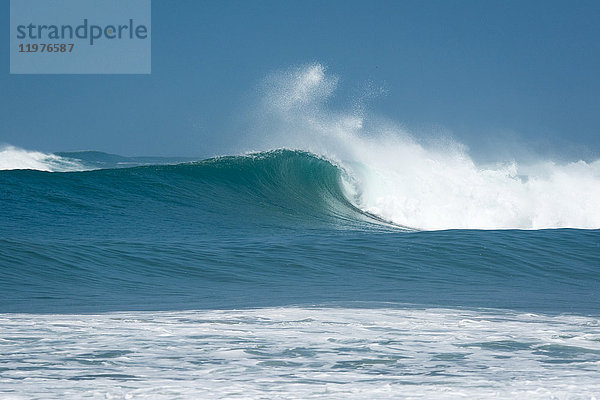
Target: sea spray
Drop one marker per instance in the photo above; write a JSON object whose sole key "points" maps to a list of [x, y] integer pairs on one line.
{"points": [[430, 186]]}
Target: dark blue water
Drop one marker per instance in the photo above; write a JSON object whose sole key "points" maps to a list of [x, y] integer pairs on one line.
{"points": [[267, 230]]}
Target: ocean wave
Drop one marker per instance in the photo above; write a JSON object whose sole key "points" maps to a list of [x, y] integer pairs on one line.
{"points": [[12, 158], [348, 167], [406, 187], [277, 188], [426, 184]]}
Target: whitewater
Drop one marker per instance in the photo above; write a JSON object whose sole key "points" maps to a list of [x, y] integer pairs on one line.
{"points": [[302, 353], [331, 254]]}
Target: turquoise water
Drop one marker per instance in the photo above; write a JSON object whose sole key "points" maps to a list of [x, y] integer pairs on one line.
{"points": [[270, 229], [268, 271]]}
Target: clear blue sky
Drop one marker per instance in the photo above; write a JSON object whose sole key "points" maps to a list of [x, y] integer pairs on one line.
{"points": [[488, 71]]}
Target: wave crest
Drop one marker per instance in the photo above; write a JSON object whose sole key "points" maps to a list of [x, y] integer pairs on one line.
{"points": [[14, 158]]}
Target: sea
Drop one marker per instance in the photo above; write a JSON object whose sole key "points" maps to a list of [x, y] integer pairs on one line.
{"points": [[285, 274], [329, 254]]}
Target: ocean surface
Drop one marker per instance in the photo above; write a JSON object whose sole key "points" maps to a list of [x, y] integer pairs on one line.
{"points": [[292, 274]]}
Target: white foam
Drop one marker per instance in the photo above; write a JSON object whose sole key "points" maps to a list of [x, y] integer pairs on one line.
{"points": [[300, 353], [14, 158], [425, 186], [426, 189]]}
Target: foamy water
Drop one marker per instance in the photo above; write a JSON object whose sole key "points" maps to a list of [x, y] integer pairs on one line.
{"points": [[15, 158], [300, 353]]}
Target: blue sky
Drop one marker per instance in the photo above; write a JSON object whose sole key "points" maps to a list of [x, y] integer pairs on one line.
{"points": [[520, 73]]}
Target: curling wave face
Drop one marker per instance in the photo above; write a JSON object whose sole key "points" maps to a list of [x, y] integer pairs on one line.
{"points": [[281, 188]]}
